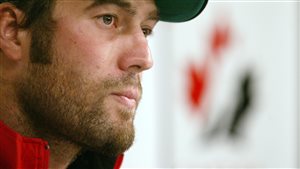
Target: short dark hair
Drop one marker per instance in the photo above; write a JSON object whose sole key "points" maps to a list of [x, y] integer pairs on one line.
{"points": [[38, 19], [33, 10]]}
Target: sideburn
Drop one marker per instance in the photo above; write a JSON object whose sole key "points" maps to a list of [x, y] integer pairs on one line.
{"points": [[41, 42]]}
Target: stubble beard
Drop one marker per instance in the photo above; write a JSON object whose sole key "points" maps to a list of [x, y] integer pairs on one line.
{"points": [[71, 107]]}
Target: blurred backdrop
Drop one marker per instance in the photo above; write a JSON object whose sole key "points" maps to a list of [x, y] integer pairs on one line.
{"points": [[224, 89]]}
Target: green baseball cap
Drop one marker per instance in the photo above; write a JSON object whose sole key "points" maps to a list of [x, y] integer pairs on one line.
{"points": [[179, 10], [176, 10]]}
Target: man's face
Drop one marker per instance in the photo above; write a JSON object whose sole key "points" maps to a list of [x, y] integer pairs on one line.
{"points": [[90, 91]]}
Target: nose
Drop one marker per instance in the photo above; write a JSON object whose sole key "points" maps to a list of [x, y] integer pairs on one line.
{"points": [[136, 56]]}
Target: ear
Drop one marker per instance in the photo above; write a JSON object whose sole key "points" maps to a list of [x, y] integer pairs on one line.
{"points": [[10, 17]]}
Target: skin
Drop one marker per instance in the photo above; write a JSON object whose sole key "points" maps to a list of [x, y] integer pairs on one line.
{"points": [[86, 98]]}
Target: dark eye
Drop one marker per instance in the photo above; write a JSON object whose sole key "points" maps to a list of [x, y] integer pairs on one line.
{"points": [[107, 19], [147, 32]]}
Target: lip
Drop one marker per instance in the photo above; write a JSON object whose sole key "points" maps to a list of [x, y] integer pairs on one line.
{"points": [[129, 97]]}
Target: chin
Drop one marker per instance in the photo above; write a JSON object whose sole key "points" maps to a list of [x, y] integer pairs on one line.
{"points": [[113, 135], [120, 141]]}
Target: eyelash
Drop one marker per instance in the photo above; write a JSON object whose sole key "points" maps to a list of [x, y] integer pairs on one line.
{"points": [[114, 22], [147, 31], [113, 19]]}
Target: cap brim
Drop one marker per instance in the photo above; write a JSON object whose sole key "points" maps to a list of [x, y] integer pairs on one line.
{"points": [[179, 10]]}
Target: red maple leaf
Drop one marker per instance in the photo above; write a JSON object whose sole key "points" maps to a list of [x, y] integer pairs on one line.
{"points": [[220, 39], [197, 85], [198, 74]]}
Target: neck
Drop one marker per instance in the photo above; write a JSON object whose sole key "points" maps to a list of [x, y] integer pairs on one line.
{"points": [[62, 151]]}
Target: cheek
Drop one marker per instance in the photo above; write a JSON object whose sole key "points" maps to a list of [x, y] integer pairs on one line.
{"points": [[83, 47]]}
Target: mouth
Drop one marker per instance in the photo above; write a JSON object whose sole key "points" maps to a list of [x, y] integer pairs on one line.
{"points": [[128, 98]]}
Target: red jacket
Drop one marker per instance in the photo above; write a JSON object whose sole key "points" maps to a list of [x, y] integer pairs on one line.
{"points": [[19, 152]]}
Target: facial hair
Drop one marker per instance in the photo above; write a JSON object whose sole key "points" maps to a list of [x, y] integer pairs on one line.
{"points": [[68, 105]]}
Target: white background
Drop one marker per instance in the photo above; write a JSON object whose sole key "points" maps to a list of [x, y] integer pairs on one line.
{"points": [[264, 39]]}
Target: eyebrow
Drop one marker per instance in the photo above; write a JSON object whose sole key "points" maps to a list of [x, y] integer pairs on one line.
{"points": [[120, 3], [153, 15], [125, 6]]}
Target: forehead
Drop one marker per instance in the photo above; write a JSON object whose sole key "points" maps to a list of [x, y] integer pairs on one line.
{"points": [[77, 6]]}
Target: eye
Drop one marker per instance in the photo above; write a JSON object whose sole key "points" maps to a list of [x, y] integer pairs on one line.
{"points": [[147, 31], [107, 19]]}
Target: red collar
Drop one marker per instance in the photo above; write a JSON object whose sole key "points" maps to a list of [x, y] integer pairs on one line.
{"points": [[17, 151], [119, 161]]}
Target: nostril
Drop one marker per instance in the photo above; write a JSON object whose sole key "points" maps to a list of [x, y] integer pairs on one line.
{"points": [[140, 64], [135, 69]]}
